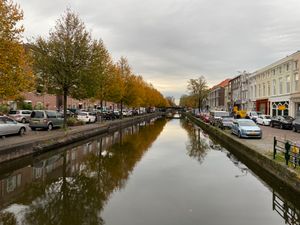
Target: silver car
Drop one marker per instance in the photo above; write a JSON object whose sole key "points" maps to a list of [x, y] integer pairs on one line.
{"points": [[245, 128], [22, 116], [45, 119], [9, 126]]}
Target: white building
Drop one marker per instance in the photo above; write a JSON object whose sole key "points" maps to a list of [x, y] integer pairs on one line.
{"points": [[275, 89]]}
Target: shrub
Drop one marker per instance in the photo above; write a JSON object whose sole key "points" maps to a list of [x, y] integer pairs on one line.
{"points": [[4, 109], [72, 121]]}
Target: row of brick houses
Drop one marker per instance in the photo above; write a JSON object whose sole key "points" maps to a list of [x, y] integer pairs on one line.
{"points": [[54, 102], [273, 89]]}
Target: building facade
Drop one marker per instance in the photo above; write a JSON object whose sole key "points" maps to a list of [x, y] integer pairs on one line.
{"points": [[216, 96], [275, 89], [239, 95]]}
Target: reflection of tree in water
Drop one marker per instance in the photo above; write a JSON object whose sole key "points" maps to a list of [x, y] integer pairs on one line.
{"points": [[198, 143], [79, 198]]}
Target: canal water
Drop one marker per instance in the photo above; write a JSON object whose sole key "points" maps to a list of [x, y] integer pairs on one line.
{"points": [[161, 172]]}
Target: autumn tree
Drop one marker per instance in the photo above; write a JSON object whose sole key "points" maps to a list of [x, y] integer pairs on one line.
{"points": [[199, 89], [100, 79], [187, 101], [15, 71], [65, 57]]}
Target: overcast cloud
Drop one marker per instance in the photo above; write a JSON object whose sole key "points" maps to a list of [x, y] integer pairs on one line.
{"points": [[169, 42]]}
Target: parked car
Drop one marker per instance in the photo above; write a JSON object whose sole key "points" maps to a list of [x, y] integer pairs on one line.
{"points": [[244, 128], [206, 118], [9, 126], [263, 120], [86, 117], [225, 122], [109, 115], [283, 122], [45, 119], [253, 115], [296, 125], [22, 116], [214, 116]]}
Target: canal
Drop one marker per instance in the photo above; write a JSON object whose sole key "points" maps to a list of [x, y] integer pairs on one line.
{"points": [[165, 172]]}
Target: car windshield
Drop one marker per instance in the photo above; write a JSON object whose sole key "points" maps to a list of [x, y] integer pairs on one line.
{"points": [[82, 114], [13, 112], [267, 117], [253, 114], [221, 114], [247, 123]]}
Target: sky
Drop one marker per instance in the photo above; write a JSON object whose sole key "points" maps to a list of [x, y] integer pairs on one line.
{"points": [[169, 42]]}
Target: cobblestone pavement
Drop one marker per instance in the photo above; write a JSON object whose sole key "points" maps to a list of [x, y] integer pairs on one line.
{"points": [[265, 144]]}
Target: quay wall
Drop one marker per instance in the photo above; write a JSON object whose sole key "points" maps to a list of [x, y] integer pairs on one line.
{"points": [[61, 139], [278, 174]]}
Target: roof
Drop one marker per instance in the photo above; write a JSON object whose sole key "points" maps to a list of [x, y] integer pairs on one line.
{"points": [[222, 84]]}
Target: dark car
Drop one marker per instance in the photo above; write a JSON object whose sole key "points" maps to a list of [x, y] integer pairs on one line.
{"points": [[225, 122], [283, 122], [296, 125]]}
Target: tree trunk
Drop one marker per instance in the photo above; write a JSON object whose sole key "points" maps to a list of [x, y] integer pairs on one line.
{"points": [[65, 108], [199, 104], [121, 115]]}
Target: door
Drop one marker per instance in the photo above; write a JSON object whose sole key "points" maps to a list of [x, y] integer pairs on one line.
{"points": [[11, 125]]}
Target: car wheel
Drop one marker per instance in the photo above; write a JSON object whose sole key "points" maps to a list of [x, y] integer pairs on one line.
{"points": [[271, 124], [33, 128], [23, 120], [50, 126], [281, 126], [239, 134], [22, 131], [294, 129]]}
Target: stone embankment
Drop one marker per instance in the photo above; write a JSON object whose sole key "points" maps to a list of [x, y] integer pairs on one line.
{"points": [[279, 174], [40, 141]]}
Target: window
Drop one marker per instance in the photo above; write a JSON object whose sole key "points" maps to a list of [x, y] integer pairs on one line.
{"points": [[280, 86], [255, 91], [251, 90], [274, 87], [269, 88], [264, 89], [296, 65], [259, 90], [296, 82], [279, 69], [288, 84], [287, 66]]}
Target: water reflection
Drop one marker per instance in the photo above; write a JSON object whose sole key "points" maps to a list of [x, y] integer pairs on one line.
{"points": [[198, 143], [73, 186], [198, 146], [286, 210]]}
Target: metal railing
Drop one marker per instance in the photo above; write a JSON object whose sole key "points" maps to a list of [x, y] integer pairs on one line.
{"points": [[286, 210], [289, 150]]}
